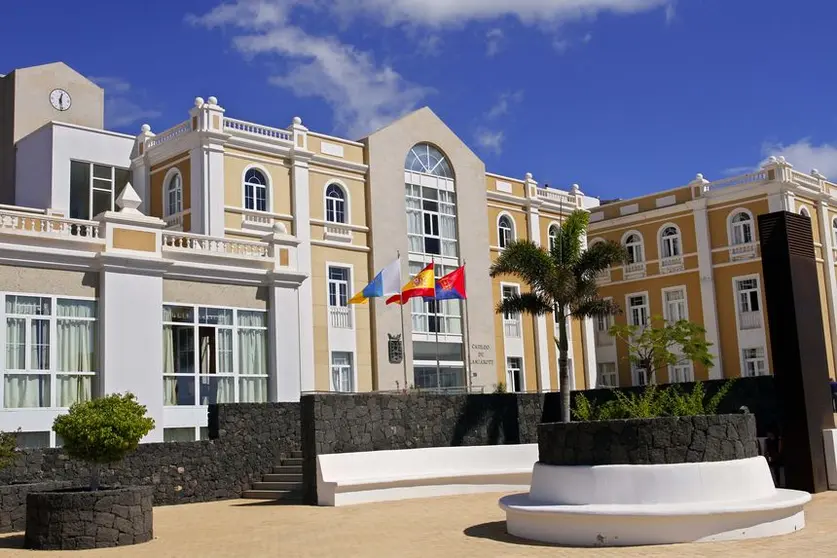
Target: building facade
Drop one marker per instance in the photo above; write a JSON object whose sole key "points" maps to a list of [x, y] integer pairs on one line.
{"points": [[213, 262]]}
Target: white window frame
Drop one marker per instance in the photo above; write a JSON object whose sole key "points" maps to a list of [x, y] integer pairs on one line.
{"points": [[505, 235], [551, 240], [341, 315], [666, 310], [447, 312], [610, 374], [91, 187], [512, 323], [673, 243], [268, 190], [52, 371], [445, 199], [329, 200], [352, 367], [732, 226], [634, 247], [629, 308], [509, 371], [682, 372], [739, 307], [173, 173], [754, 360], [639, 376]]}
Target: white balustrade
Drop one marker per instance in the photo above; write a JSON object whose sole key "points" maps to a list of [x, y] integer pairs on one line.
{"points": [[176, 220], [215, 246], [340, 316], [256, 218], [742, 251], [338, 231], [672, 264], [806, 180], [48, 226], [251, 128], [556, 196], [758, 176], [603, 276], [749, 320], [634, 270], [604, 339], [170, 134], [511, 328]]}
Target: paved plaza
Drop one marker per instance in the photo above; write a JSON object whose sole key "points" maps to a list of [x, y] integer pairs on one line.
{"points": [[459, 526]]}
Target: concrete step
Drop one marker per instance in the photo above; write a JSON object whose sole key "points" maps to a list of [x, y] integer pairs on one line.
{"points": [[283, 477], [287, 470], [296, 455], [292, 461], [280, 485], [284, 495]]}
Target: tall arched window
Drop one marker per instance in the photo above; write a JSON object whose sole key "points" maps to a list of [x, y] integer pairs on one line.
{"points": [[335, 204], [670, 242], [742, 228], [633, 244], [174, 195], [255, 190], [505, 231], [426, 159], [553, 236], [431, 202]]}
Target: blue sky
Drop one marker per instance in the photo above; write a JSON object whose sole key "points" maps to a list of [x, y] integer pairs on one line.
{"points": [[621, 96]]}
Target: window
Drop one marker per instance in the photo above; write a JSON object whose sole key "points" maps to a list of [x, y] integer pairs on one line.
{"points": [[670, 242], [426, 159], [94, 188], [681, 372], [214, 355], [33, 440], [181, 434], [804, 212], [607, 376], [338, 297], [638, 310], [747, 293], [174, 195], [514, 378], [754, 363], [511, 322], [834, 230], [640, 376], [450, 378], [633, 244], [674, 305], [603, 325], [435, 316], [431, 221], [335, 204], [505, 230], [342, 373], [36, 328], [742, 228], [553, 236], [255, 190]]}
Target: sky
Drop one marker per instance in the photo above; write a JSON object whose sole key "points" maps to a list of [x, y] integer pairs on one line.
{"points": [[622, 97]]}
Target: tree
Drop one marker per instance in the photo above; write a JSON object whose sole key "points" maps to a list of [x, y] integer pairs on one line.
{"points": [[103, 430], [560, 280], [661, 344], [8, 449]]}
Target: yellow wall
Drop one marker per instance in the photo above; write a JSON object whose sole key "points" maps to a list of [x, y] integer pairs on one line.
{"points": [[158, 175], [645, 203], [518, 187], [718, 215], [318, 179], [279, 177], [521, 229], [351, 152]]}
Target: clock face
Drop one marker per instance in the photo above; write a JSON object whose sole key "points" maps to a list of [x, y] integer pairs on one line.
{"points": [[60, 99]]}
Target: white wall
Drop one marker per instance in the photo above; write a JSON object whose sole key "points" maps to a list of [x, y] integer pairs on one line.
{"points": [[33, 169]]}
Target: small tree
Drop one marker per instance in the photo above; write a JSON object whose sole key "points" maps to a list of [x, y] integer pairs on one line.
{"points": [[661, 344], [103, 430], [8, 449]]}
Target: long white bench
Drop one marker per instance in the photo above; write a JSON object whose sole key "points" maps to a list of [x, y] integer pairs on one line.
{"points": [[377, 476]]}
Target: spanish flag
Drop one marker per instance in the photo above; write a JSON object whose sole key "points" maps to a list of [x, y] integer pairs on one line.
{"points": [[422, 285]]}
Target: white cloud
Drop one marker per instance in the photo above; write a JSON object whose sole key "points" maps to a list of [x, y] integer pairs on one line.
{"points": [[494, 41], [122, 106], [561, 45], [431, 45], [501, 107], [490, 140], [805, 156]]}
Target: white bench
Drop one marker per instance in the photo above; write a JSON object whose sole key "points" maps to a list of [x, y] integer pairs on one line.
{"points": [[377, 476]]}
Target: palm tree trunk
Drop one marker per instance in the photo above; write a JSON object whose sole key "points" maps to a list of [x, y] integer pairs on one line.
{"points": [[563, 369]]}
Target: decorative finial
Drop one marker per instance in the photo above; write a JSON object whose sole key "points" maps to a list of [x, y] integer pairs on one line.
{"points": [[199, 102], [128, 201], [212, 100], [297, 121], [575, 189], [280, 228], [699, 176], [772, 159], [782, 159], [528, 176], [145, 128]]}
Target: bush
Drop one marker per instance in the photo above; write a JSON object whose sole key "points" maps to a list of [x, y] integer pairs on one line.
{"points": [[652, 402], [103, 430], [8, 449]]}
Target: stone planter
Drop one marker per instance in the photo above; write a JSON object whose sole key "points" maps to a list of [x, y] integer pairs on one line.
{"points": [[13, 502], [77, 518], [649, 441]]}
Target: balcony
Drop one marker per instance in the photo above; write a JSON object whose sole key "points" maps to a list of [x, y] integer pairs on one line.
{"points": [[603, 276], [604, 339], [340, 317], [200, 244], [243, 128], [673, 264], [47, 226], [749, 320], [511, 328], [742, 251], [175, 222], [256, 220], [634, 270], [337, 232]]}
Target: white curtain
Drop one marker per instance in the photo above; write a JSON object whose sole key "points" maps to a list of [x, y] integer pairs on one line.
{"points": [[23, 390], [252, 357], [252, 390], [225, 351], [169, 383], [76, 350]]}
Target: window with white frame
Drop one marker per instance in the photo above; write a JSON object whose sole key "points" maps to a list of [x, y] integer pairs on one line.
{"points": [[607, 375], [742, 228], [670, 242], [834, 230], [603, 325], [511, 321], [255, 190], [640, 376], [553, 236], [214, 355], [435, 316], [174, 194], [342, 372], [674, 305], [426, 159], [94, 188], [638, 310], [514, 374], [749, 303], [50, 351], [431, 202], [633, 244], [338, 297], [335, 204], [505, 231], [681, 372], [753, 362]]}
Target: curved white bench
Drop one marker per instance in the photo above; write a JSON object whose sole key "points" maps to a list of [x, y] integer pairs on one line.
{"points": [[624, 505], [377, 476]]}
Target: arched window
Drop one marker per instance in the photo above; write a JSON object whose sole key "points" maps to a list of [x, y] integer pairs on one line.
{"points": [[427, 159], [505, 230], [553, 236], [804, 212], [335, 204], [834, 230], [670, 242], [174, 194], [431, 202], [633, 244], [742, 228], [255, 190]]}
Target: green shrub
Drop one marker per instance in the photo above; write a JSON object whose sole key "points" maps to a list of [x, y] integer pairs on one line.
{"points": [[501, 388], [8, 449], [103, 430]]}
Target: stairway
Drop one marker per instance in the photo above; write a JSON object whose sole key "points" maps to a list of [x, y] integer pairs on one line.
{"points": [[283, 483]]}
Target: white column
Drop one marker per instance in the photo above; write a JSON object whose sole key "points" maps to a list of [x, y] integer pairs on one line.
{"points": [[285, 344], [707, 284], [541, 333], [207, 160], [199, 224], [140, 169], [300, 156], [827, 238]]}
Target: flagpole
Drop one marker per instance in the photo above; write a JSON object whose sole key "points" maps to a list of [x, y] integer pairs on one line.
{"points": [[403, 336], [467, 330], [436, 313]]}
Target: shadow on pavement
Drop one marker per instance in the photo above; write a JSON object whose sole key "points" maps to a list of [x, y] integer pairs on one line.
{"points": [[13, 540], [496, 531]]}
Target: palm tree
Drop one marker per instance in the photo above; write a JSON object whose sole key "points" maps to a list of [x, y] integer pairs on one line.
{"points": [[561, 280]]}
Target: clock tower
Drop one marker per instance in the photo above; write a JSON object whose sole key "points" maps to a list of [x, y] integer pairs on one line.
{"points": [[31, 97]]}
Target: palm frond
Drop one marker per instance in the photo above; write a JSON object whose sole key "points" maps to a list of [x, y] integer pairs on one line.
{"points": [[568, 248], [525, 303], [594, 308], [526, 260], [601, 256]]}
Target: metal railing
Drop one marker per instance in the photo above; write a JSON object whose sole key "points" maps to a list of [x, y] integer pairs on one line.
{"points": [[340, 317], [749, 320], [251, 128]]}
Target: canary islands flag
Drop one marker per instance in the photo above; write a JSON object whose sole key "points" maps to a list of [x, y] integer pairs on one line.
{"points": [[385, 283], [451, 286], [422, 285]]}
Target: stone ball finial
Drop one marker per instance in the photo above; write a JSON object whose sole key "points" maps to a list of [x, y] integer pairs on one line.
{"points": [[297, 121], [576, 189], [212, 100], [782, 159], [199, 102], [528, 176], [280, 228], [772, 159], [699, 176], [145, 128]]}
